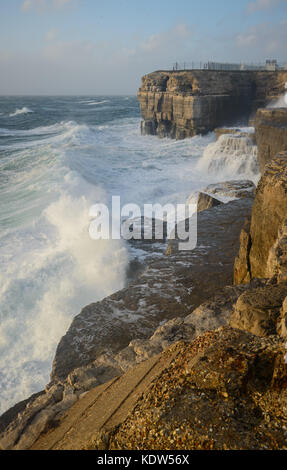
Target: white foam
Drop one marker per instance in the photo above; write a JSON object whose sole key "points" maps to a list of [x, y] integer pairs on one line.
{"points": [[23, 110], [54, 269], [95, 103], [49, 267], [231, 157]]}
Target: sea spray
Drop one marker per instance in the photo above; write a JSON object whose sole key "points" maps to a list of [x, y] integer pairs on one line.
{"points": [[281, 102], [230, 157], [56, 163], [62, 271]]}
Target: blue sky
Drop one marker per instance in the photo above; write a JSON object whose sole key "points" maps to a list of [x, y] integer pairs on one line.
{"points": [[101, 47]]}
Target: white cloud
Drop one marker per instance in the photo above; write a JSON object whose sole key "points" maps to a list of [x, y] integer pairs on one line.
{"points": [[178, 33], [263, 40], [258, 5], [41, 5]]}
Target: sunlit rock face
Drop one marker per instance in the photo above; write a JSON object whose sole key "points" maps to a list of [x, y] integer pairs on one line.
{"points": [[187, 103], [263, 248], [271, 134]]}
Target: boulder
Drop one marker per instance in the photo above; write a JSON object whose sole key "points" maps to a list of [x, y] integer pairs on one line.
{"points": [[259, 310], [234, 189]]}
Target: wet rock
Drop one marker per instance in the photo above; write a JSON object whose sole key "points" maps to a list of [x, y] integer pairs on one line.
{"points": [[233, 131], [234, 189], [205, 201]]}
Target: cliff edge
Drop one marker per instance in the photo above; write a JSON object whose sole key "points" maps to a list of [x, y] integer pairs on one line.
{"points": [[183, 104]]}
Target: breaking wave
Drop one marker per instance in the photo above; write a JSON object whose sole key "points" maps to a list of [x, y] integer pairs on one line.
{"points": [[232, 156], [23, 110]]}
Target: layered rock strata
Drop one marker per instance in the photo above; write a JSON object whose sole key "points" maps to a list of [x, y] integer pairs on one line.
{"points": [[271, 134], [183, 104], [263, 251], [235, 131]]}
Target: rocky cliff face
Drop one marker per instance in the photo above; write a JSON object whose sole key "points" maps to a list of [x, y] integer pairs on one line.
{"points": [[183, 104], [263, 252], [271, 134]]}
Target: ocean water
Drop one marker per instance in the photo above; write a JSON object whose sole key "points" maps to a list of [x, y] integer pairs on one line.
{"points": [[59, 156]]}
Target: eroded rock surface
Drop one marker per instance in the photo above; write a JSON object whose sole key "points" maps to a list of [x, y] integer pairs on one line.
{"points": [[236, 189], [205, 201], [260, 310], [171, 286], [271, 134], [110, 337], [225, 391], [263, 250], [183, 104]]}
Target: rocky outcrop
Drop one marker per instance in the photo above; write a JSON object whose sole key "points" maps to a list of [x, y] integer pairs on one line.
{"points": [[263, 250], [205, 201], [260, 310], [235, 189], [271, 134], [224, 378], [183, 104], [110, 337], [171, 286], [242, 274], [225, 391], [235, 131]]}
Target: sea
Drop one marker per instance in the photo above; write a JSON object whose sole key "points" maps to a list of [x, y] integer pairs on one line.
{"points": [[58, 157]]}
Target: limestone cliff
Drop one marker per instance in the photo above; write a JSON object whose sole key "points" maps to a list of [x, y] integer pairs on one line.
{"points": [[271, 133], [183, 104], [263, 251]]}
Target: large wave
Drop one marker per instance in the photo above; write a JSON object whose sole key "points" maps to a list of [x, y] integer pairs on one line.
{"points": [[49, 267], [52, 269]]}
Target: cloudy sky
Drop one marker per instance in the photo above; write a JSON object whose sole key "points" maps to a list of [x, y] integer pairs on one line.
{"points": [[105, 46]]}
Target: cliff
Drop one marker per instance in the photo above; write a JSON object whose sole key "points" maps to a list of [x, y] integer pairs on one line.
{"points": [[263, 248], [183, 104], [181, 358], [271, 134]]}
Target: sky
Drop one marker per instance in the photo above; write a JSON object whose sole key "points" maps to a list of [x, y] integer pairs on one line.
{"points": [[85, 47]]}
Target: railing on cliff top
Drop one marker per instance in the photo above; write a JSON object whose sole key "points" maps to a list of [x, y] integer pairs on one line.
{"points": [[271, 65]]}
